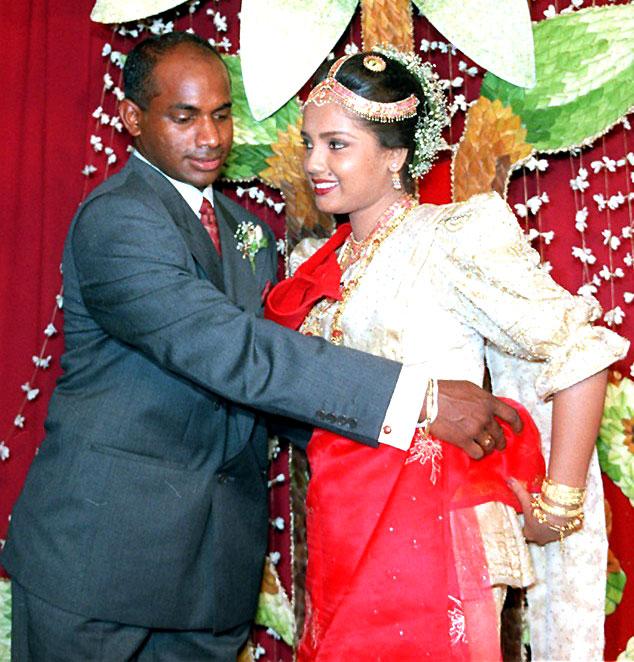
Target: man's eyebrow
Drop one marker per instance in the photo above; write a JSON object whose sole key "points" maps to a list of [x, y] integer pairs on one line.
{"points": [[184, 106], [189, 107]]}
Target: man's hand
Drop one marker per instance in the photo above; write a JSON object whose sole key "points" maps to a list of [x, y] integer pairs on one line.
{"points": [[466, 418]]}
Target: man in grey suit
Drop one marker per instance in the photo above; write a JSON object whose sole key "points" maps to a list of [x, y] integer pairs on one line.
{"points": [[141, 529]]}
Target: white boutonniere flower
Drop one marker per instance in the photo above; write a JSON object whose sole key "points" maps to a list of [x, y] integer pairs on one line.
{"points": [[250, 239]]}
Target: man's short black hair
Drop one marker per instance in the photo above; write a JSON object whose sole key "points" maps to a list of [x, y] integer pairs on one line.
{"points": [[139, 65]]}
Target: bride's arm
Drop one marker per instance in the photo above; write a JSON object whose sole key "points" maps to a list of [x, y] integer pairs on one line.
{"points": [[496, 284], [576, 417], [577, 414]]}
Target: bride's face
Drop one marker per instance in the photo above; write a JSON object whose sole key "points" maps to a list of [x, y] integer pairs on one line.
{"points": [[348, 169]]}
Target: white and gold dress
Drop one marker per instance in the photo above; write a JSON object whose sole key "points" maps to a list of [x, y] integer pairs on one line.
{"points": [[450, 288]]}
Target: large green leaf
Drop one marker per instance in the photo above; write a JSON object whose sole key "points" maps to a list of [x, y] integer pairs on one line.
{"points": [[5, 620], [614, 588], [275, 612], [252, 140], [585, 77]]}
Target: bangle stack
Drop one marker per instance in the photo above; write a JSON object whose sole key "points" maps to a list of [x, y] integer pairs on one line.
{"points": [[431, 406], [559, 500]]}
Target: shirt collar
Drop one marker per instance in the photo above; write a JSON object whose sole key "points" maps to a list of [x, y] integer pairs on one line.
{"points": [[192, 196]]}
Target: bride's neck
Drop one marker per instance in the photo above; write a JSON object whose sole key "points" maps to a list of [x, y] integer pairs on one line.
{"points": [[364, 220]]}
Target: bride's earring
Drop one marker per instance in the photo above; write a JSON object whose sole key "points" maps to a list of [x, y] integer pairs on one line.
{"points": [[396, 178]]}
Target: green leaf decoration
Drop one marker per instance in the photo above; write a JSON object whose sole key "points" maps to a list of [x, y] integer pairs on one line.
{"points": [[5, 619], [252, 139], [274, 608], [585, 72], [614, 588], [274, 613], [615, 442], [496, 35]]}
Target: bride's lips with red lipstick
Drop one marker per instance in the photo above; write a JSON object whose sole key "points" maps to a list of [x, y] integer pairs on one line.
{"points": [[323, 186]]}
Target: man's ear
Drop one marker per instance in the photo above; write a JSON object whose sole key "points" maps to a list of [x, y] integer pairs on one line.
{"points": [[130, 114]]}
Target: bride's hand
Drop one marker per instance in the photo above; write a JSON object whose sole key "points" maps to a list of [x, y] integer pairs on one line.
{"points": [[533, 530]]}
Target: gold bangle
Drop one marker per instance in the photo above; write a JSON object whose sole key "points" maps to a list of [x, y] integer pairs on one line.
{"points": [[431, 407], [571, 526], [557, 510], [564, 495], [538, 513]]}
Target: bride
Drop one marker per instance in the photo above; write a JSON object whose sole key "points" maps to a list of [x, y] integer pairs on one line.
{"points": [[411, 546]]}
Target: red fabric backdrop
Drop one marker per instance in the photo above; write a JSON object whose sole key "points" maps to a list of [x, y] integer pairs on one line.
{"points": [[47, 81], [50, 82]]}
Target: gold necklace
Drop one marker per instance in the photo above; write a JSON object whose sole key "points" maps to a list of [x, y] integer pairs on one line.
{"points": [[336, 332], [353, 249]]}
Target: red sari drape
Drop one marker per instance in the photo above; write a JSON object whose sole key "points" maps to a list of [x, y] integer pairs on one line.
{"points": [[385, 527]]}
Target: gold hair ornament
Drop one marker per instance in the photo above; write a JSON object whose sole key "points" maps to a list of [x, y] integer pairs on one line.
{"points": [[374, 63], [330, 90]]}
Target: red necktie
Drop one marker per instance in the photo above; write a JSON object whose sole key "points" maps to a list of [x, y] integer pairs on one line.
{"points": [[208, 219]]}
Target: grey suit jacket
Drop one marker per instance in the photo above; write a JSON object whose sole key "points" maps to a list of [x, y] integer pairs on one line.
{"points": [[147, 501]]}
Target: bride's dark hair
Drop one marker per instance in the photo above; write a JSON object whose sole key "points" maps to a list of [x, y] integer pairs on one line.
{"points": [[394, 83]]}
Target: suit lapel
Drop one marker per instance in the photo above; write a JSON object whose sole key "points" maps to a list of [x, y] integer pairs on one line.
{"points": [[241, 284], [191, 228]]}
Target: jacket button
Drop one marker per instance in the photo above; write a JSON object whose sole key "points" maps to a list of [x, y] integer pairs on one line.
{"points": [[320, 414], [222, 478], [387, 429], [331, 418], [352, 423]]}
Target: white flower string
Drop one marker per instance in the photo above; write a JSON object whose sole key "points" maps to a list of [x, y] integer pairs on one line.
{"points": [[31, 391], [611, 316], [553, 10], [540, 200], [606, 264], [628, 230], [257, 195]]}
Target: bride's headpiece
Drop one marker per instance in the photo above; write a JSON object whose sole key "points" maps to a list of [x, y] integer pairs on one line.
{"points": [[428, 133], [330, 90]]}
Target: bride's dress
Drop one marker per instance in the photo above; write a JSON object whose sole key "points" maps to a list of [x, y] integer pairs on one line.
{"points": [[395, 568]]}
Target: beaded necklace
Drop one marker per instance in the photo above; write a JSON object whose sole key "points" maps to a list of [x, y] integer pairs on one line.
{"points": [[361, 252]]}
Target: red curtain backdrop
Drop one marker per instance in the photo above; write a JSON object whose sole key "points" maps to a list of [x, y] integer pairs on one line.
{"points": [[48, 81], [51, 80]]}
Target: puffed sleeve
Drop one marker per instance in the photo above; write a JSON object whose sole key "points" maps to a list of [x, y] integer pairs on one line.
{"points": [[496, 285]]}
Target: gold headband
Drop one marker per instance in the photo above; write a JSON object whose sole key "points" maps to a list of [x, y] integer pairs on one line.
{"points": [[330, 90]]}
